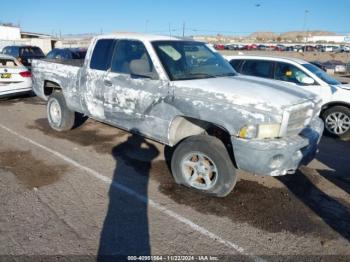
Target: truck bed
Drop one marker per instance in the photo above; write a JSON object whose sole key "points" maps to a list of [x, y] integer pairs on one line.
{"points": [[63, 73]]}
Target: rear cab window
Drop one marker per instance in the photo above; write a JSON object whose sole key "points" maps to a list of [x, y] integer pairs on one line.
{"points": [[102, 54], [259, 68]]}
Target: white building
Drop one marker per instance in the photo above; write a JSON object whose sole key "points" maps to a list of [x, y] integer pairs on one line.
{"points": [[12, 35], [9, 32], [329, 38]]}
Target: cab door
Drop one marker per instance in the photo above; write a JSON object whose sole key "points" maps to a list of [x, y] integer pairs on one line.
{"points": [[92, 82], [130, 100]]}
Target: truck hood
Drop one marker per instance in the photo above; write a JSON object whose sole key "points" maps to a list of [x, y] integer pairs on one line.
{"points": [[262, 94]]}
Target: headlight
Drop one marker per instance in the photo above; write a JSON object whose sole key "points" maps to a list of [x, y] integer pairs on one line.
{"points": [[260, 131]]}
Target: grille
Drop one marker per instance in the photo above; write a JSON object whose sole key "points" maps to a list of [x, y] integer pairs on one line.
{"points": [[296, 118]]}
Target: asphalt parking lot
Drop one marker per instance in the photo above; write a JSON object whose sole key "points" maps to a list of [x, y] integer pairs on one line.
{"points": [[98, 190]]}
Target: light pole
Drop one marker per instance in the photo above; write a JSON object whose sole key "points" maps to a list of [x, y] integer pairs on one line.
{"points": [[305, 29]]}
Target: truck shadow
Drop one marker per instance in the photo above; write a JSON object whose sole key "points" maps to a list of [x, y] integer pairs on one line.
{"points": [[330, 210], [334, 153], [125, 228], [299, 207]]}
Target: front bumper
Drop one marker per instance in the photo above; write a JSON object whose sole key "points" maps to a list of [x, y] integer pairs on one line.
{"points": [[276, 157]]}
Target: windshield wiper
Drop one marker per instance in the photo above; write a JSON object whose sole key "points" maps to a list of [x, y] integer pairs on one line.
{"points": [[226, 74], [196, 76]]}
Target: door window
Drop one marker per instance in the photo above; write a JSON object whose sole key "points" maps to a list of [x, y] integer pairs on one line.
{"points": [[289, 73], [257, 68], [128, 51]]}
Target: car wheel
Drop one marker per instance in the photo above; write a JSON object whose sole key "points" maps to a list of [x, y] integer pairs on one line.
{"points": [[202, 162], [337, 121], [60, 117]]}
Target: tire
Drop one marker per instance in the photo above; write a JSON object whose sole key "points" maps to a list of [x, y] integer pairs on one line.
{"points": [[202, 162], [60, 117], [337, 121]]}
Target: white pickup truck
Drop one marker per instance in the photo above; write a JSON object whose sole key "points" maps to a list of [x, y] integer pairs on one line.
{"points": [[185, 95]]}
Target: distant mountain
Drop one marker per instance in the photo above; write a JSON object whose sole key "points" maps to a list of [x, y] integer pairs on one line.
{"points": [[263, 35]]}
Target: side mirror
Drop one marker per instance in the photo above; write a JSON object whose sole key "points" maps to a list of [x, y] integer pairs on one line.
{"points": [[141, 68], [307, 80]]}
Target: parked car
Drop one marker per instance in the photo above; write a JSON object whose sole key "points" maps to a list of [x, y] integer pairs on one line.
{"points": [[67, 53], [328, 48], [186, 95], [251, 47], [298, 48], [336, 65], [304, 75], [14, 77], [219, 47], [261, 47], [24, 54], [289, 48], [231, 47], [280, 48], [319, 48], [309, 48]]}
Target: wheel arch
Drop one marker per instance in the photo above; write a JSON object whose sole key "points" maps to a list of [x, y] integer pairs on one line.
{"points": [[332, 104], [182, 127], [50, 86]]}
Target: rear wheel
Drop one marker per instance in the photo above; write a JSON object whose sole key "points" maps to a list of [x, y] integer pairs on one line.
{"points": [[60, 117], [337, 121], [203, 163]]}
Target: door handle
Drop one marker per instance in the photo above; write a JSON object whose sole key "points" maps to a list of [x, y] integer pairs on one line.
{"points": [[107, 83]]}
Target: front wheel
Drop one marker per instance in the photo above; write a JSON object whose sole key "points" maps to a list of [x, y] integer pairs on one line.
{"points": [[60, 117], [337, 121], [203, 163]]}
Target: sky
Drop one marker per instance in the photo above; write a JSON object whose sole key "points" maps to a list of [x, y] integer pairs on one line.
{"points": [[229, 17]]}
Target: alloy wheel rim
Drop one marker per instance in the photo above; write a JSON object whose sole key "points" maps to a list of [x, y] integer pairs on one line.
{"points": [[199, 170], [337, 123], [55, 112]]}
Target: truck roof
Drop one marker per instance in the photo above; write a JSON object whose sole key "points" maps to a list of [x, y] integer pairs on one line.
{"points": [[138, 36]]}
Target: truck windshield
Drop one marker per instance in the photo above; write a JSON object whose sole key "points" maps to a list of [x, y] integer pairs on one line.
{"points": [[321, 74], [185, 60]]}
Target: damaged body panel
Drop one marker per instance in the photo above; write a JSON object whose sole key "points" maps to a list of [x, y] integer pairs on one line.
{"points": [[145, 90]]}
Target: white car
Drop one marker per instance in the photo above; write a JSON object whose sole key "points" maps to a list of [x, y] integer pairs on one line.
{"points": [[14, 77], [301, 74]]}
